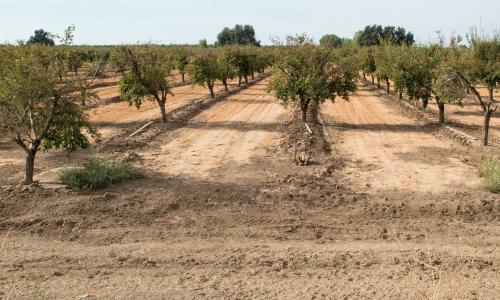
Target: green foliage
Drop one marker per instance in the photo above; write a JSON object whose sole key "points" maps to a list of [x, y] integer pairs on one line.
{"points": [[41, 37], [180, 56], [203, 43], [37, 108], [305, 73], [239, 35], [385, 59], [490, 170], [375, 34], [368, 61], [204, 69], [331, 40], [486, 53], [98, 173], [119, 59], [148, 79]]}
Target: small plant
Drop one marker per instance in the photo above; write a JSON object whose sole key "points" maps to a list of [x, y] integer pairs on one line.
{"points": [[490, 170], [98, 173]]}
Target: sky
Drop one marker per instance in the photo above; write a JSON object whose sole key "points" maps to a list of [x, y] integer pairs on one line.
{"points": [[188, 21]]}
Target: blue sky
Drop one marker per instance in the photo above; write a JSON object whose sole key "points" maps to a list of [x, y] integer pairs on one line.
{"points": [[188, 21]]}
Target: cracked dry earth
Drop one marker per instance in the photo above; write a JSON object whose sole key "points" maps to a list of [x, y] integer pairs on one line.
{"points": [[223, 213]]}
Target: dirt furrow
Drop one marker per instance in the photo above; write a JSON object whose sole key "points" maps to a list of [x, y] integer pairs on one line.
{"points": [[388, 151], [226, 137]]}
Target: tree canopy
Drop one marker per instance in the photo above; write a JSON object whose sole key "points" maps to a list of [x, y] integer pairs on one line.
{"points": [[331, 40], [41, 37], [374, 34], [239, 35]]}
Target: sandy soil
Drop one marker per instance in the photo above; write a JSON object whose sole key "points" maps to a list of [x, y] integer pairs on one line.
{"points": [[229, 134], [390, 151], [223, 213], [109, 118]]}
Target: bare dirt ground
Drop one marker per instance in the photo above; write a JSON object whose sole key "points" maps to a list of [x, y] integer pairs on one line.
{"points": [[388, 151], [223, 213]]}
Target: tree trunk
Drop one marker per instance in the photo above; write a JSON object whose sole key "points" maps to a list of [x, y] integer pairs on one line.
{"points": [[304, 106], [183, 79], [486, 126], [425, 103], [253, 76], [373, 79], [239, 81], [30, 163], [364, 76], [224, 82], [211, 89], [163, 112], [400, 94], [388, 86], [246, 78], [378, 82], [441, 111]]}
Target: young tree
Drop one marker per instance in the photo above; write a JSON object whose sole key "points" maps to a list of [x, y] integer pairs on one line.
{"points": [[368, 64], [225, 66], [385, 57], [148, 79], [242, 62], [181, 60], [41, 37], [204, 70], [483, 68], [38, 110], [119, 59], [305, 74]]}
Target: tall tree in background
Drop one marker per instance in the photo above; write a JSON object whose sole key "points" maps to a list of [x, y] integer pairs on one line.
{"points": [[239, 35], [374, 34], [41, 37], [331, 40]]}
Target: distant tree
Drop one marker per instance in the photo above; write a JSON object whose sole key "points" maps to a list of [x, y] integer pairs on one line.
{"points": [[239, 35], [331, 40], [242, 61], [385, 58], [225, 66], [119, 59], [37, 109], [204, 70], [148, 79], [41, 37], [374, 34], [203, 43], [368, 64], [181, 60]]}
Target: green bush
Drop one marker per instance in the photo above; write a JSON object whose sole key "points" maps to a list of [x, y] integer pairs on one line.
{"points": [[490, 170], [98, 173]]}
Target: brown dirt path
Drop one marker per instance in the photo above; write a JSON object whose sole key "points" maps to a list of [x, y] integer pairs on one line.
{"points": [[221, 142], [389, 151]]}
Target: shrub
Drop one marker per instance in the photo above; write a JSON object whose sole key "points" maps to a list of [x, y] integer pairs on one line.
{"points": [[490, 170], [98, 173]]}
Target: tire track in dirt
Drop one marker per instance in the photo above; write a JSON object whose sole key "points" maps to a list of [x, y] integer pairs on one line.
{"points": [[222, 141], [387, 151]]}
